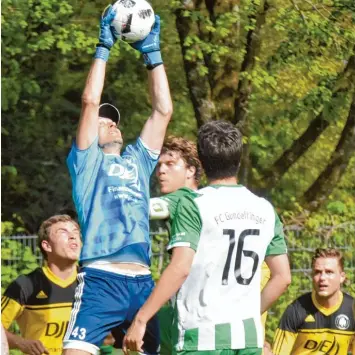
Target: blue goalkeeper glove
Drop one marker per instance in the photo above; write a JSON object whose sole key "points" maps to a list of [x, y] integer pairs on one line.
{"points": [[106, 36], [150, 46]]}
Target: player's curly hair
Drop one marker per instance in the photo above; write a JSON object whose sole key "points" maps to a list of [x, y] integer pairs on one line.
{"points": [[329, 253], [188, 152], [45, 229]]}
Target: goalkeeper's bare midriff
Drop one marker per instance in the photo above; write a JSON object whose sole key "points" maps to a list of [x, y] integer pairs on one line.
{"points": [[128, 266]]}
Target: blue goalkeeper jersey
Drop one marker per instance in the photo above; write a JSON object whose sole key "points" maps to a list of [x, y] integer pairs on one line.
{"points": [[111, 196]]}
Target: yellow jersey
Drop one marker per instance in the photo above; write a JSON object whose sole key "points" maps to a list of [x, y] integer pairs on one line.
{"points": [[40, 303], [308, 328]]}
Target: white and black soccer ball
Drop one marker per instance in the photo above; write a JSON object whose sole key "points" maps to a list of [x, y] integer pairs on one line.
{"points": [[134, 19]]}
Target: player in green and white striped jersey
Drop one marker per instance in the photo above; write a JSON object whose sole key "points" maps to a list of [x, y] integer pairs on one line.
{"points": [[220, 236], [178, 172]]}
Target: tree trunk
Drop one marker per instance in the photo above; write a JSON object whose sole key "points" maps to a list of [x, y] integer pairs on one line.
{"points": [[218, 93], [331, 175], [273, 175]]}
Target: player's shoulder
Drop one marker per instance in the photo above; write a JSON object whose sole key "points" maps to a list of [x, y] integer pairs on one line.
{"points": [[348, 300], [25, 283], [302, 303], [183, 191], [140, 147], [296, 312], [31, 277], [261, 201]]}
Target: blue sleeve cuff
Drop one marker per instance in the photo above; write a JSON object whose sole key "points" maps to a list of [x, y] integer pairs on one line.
{"points": [[152, 59], [102, 53]]}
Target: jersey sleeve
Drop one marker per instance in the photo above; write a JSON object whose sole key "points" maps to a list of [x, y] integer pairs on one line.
{"points": [[81, 161], [286, 333], [277, 245], [186, 225], [146, 157], [13, 302]]}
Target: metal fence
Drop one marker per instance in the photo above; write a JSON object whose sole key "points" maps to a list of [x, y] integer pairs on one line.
{"points": [[20, 254], [17, 249]]}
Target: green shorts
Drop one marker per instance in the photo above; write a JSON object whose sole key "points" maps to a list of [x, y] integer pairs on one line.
{"points": [[165, 317], [249, 351], [106, 349]]}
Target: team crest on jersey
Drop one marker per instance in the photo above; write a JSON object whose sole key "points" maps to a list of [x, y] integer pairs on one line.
{"points": [[129, 172], [342, 322]]}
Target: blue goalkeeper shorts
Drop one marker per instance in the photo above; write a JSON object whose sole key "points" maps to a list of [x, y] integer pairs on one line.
{"points": [[104, 301]]}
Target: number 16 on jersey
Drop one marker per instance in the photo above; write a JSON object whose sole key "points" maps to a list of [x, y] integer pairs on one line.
{"points": [[238, 259]]}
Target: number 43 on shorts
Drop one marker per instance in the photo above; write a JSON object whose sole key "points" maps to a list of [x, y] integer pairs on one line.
{"points": [[79, 332]]}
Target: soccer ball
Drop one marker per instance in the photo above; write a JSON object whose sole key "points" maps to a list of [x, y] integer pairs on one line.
{"points": [[134, 19]]}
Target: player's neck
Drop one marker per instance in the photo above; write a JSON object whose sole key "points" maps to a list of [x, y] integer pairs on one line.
{"points": [[225, 181], [63, 269], [111, 148], [329, 302], [192, 186]]}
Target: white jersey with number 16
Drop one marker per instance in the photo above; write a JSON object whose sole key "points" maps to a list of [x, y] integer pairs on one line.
{"points": [[231, 230]]}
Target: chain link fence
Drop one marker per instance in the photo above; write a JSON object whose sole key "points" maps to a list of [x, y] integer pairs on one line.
{"points": [[20, 255], [16, 249]]}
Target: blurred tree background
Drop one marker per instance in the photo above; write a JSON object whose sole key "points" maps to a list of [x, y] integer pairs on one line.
{"points": [[283, 71]]}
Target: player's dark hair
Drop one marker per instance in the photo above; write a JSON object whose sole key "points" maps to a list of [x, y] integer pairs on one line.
{"points": [[187, 151], [329, 253], [45, 229], [219, 147]]}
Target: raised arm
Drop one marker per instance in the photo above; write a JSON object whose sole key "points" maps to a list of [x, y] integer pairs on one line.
{"points": [[89, 123], [153, 132]]}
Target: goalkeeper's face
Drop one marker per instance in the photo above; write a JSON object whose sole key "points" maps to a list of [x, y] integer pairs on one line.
{"points": [[327, 277], [109, 132], [173, 173]]}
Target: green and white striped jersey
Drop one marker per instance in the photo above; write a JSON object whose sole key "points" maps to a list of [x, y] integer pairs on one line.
{"points": [[231, 230]]}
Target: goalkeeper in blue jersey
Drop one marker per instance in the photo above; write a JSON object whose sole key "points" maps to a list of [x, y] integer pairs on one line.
{"points": [[111, 196]]}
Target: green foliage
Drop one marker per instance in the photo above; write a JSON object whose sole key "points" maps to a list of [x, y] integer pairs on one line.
{"points": [[16, 259], [44, 68], [286, 61]]}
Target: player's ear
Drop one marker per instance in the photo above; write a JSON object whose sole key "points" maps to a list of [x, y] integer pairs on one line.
{"points": [[342, 277], [191, 171], [46, 246]]}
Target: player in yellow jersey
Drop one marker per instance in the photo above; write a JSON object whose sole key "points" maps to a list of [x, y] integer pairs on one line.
{"points": [[322, 321], [41, 301]]}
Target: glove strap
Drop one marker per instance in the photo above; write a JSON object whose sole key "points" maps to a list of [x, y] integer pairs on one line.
{"points": [[102, 52], [152, 59]]}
